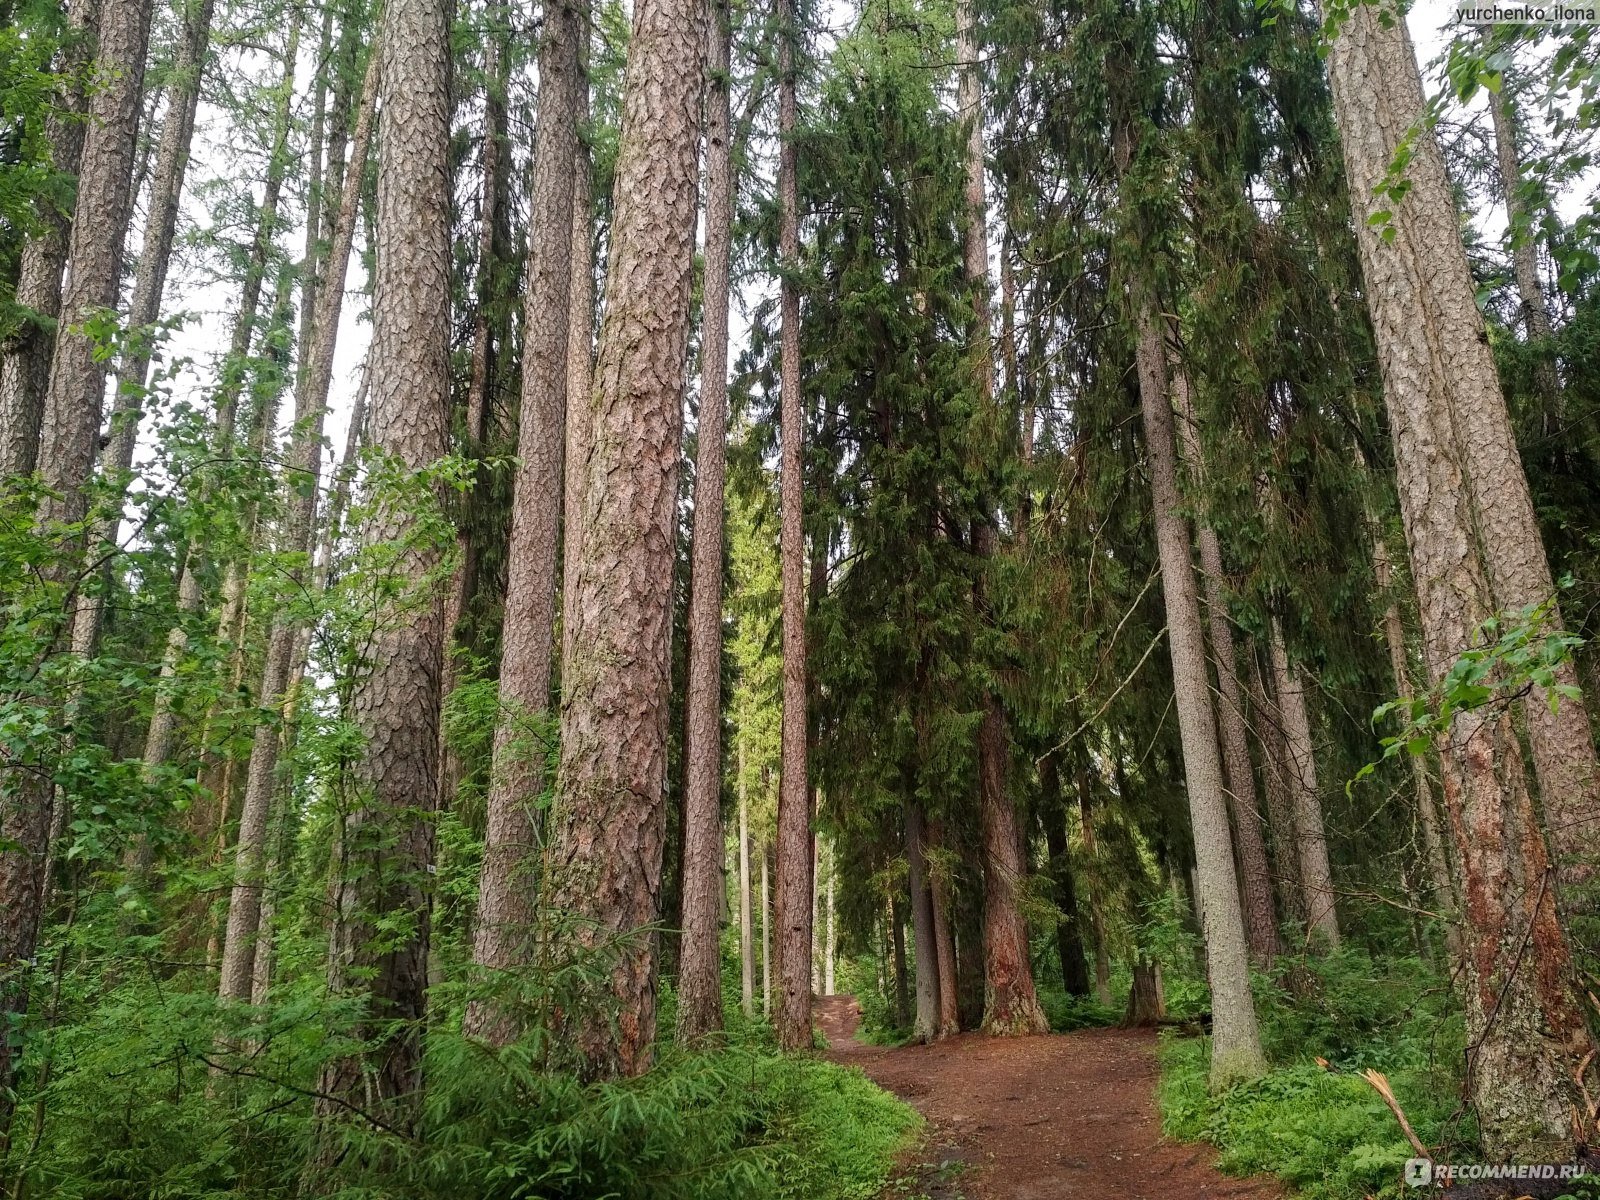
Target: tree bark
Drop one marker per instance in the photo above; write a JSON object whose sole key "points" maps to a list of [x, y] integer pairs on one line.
{"points": [[897, 935], [69, 436], [1236, 1043], [794, 816], [944, 945], [580, 363], [700, 963], [25, 356], [1524, 253], [766, 935], [503, 931], [923, 938], [1255, 877], [1284, 849], [1431, 339], [608, 823], [1469, 530], [304, 469], [379, 947], [1097, 920], [1311, 843]]}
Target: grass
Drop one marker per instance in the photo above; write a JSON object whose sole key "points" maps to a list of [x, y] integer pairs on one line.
{"points": [[1324, 1130]]}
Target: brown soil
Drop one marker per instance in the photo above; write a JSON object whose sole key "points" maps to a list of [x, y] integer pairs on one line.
{"points": [[1056, 1117]]}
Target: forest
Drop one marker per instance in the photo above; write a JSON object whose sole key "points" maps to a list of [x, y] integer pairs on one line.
{"points": [[697, 599]]}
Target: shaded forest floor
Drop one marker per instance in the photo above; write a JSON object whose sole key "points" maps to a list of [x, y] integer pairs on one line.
{"points": [[1037, 1118]]}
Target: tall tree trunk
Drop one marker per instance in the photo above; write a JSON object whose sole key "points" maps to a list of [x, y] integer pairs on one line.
{"points": [[700, 962], [502, 934], [580, 376], [1311, 843], [25, 356], [1236, 1043], [747, 947], [305, 469], [829, 939], [1261, 927], [1523, 1016], [379, 947], [608, 824], [1069, 937], [70, 433], [1446, 355], [1011, 1005], [794, 815], [928, 1027]]}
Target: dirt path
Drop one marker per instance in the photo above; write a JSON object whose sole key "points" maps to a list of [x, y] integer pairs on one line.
{"points": [[1058, 1117]]}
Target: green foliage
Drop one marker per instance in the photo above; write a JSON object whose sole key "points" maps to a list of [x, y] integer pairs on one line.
{"points": [[1321, 1128]]}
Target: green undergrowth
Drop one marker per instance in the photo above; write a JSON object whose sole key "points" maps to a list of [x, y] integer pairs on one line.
{"points": [[1325, 1130]]}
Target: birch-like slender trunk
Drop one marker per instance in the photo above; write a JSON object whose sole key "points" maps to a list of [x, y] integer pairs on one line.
{"points": [[928, 1026]]}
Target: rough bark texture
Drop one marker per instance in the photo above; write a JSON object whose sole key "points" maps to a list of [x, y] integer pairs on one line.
{"points": [[608, 823], [379, 947], [1236, 1045], [944, 946], [926, 953], [1431, 339], [1255, 877], [503, 932], [305, 467], [700, 961], [1524, 1022], [25, 356], [69, 436], [1311, 842], [1069, 936], [580, 367], [766, 934], [794, 816], [1146, 1002], [897, 935]]}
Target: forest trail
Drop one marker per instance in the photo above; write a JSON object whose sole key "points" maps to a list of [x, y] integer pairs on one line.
{"points": [[1056, 1117]]}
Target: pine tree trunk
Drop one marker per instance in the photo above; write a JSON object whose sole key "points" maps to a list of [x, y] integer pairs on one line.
{"points": [[1236, 1045], [608, 824], [25, 356], [923, 937], [502, 933], [1069, 938], [766, 935], [1255, 877], [69, 436], [1446, 357], [580, 362], [379, 947], [794, 816], [1311, 843], [700, 963], [1523, 1016], [305, 469]]}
